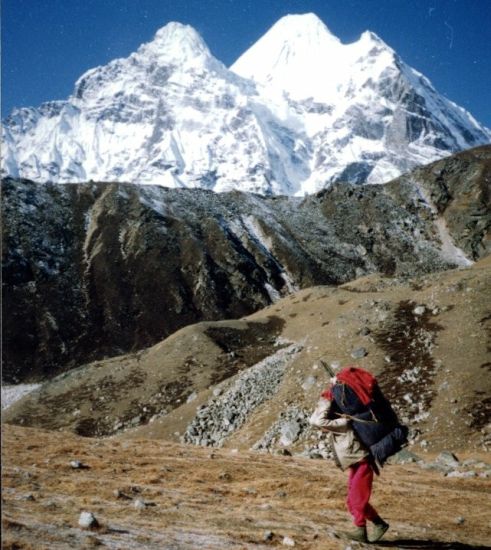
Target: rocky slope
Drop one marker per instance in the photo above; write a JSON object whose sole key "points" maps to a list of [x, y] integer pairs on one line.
{"points": [[252, 383], [297, 112], [96, 270], [149, 495]]}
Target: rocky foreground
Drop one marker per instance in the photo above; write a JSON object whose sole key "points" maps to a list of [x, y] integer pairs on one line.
{"points": [[158, 495]]}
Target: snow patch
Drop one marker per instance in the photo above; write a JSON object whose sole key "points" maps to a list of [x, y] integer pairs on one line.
{"points": [[12, 393], [273, 294]]}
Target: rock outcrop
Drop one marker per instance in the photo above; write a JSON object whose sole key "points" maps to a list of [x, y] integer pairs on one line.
{"points": [[99, 269]]}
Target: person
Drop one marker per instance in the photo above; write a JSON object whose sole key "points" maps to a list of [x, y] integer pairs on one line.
{"points": [[350, 454]]}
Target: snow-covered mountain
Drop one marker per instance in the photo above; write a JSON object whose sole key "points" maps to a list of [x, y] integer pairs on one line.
{"points": [[296, 112]]}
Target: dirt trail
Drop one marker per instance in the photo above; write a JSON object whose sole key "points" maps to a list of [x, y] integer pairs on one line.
{"points": [[217, 499]]}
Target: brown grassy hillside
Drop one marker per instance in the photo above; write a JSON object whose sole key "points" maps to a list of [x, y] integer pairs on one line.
{"points": [[427, 339], [221, 499]]}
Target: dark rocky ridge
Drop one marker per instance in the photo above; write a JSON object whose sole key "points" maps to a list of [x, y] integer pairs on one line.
{"points": [[460, 191], [98, 269]]}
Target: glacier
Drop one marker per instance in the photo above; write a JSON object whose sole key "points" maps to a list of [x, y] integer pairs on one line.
{"points": [[297, 112]]}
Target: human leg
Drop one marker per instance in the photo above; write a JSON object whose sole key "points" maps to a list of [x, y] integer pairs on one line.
{"points": [[360, 481], [359, 491]]}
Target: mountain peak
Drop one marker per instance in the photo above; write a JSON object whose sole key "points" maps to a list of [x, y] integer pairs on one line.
{"points": [[287, 57], [310, 111], [302, 23], [300, 31], [369, 40], [301, 57], [174, 44], [371, 36], [176, 40]]}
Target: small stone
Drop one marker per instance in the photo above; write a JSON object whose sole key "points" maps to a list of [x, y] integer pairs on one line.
{"points": [[281, 494], [362, 251], [462, 475], [191, 397], [290, 431], [404, 457], [283, 452], [419, 310], [358, 353], [139, 504], [217, 392], [487, 428], [225, 476], [87, 520], [460, 520], [119, 494], [77, 465], [268, 536], [308, 383], [288, 541], [448, 459]]}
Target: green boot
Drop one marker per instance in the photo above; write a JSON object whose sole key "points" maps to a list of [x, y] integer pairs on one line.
{"points": [[379, 529], [359, 534]]}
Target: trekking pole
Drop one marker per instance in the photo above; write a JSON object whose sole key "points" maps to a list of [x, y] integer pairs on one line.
{"points": [[327, 368]]}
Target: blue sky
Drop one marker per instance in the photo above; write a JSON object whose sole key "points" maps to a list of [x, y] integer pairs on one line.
{"points": [[48, 44]]}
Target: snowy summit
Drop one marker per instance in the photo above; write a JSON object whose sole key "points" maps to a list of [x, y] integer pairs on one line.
{"points": [[296, 112], [282, 59], [301, 57]]}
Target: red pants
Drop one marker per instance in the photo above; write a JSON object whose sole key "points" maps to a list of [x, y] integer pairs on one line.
{"points": [[359, 491]]}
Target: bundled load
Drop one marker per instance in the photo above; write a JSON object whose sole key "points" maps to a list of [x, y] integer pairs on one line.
{"points": [[355, 394]]}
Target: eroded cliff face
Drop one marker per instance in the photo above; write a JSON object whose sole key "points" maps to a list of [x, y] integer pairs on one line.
{"points": [[98, 269], [459, 189]]}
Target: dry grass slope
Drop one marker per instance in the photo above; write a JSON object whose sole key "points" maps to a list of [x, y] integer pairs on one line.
{"points": [[432, 364], [220, 499]]}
